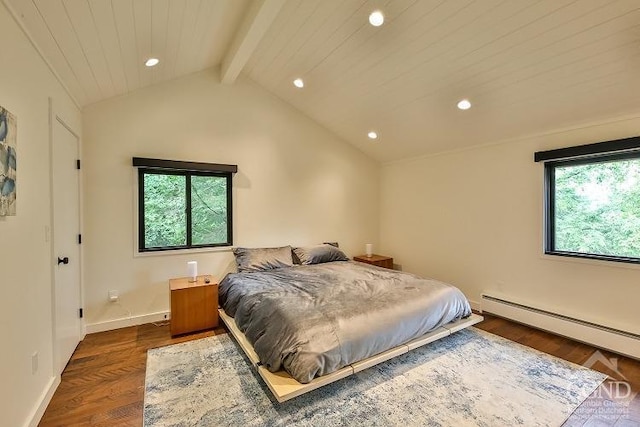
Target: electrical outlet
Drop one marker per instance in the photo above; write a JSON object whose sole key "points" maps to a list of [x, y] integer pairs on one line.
{"points": [[34, 363], [114, 296]]}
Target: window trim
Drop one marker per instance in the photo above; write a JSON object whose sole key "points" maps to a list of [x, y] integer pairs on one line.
{"points": [[183, 166], [582, 151], [608, 151], [169, 167]]}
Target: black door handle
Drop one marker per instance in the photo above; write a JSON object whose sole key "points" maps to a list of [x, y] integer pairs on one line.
{"points": [[64, 260]]}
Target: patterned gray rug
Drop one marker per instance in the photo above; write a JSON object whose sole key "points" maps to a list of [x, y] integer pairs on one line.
{"points": [[471, 378]]}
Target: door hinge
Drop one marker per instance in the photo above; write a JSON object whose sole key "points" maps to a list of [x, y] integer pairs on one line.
{"points": [[81, 313], [79, 239], [78, 164]]}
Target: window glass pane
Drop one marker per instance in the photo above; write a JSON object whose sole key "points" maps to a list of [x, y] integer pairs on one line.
{"points": [[165, 218], [597, 208], [208, 209]]}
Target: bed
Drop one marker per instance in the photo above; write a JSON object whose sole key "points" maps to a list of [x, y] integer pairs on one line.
{"points": [[303, 326]]}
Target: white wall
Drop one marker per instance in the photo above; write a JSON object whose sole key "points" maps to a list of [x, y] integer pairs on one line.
{"points": [[474, 218], [297, 183], [25, 257]]}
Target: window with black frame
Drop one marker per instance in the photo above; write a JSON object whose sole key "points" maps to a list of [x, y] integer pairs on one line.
{"points": [[183, 205], [592, 200]]}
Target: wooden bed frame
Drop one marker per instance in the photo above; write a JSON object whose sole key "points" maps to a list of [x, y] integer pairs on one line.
{"points": [[284, 387]]}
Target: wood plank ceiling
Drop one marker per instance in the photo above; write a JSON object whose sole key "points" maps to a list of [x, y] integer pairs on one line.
{"points": [[527, 66], [99, 47]]}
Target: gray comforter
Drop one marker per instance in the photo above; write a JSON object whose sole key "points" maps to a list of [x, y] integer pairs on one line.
{"points": [[315, 319]]}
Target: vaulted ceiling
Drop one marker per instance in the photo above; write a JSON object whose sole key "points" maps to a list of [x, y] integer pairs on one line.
{"points": [[527, 66]]}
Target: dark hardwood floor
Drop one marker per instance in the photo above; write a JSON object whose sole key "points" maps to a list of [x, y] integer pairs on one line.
{"points": [[103, 384]]}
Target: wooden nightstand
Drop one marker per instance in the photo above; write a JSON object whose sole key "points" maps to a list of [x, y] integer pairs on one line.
{"points": [[379, 260], [194, 305]]}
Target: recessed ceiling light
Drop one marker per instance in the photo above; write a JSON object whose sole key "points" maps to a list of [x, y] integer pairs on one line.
{"points": [[372, 135], [298, 83], [464, 104], [376, 18], [152, 62]]}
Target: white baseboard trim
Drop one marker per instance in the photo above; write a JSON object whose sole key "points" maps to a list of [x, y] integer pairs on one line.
{"points": [[124, 322], [621, 342], [43, 402]]}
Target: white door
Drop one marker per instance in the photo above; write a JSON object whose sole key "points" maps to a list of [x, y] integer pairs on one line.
{"points": [[66, 229]]}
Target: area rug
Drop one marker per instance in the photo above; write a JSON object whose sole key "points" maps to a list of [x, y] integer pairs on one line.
{"points": [[471, 378]]}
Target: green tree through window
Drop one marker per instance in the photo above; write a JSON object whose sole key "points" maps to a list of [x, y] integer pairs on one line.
{"points": [[596, 207], [165, 218], [208, 209], [183, 209]]}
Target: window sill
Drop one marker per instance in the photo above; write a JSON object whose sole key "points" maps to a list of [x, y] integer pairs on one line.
{"points": [[590, 261], [214, 249]]}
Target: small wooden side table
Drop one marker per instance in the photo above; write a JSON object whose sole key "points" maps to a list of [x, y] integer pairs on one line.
{"points": [[379, 260], [194, 305]]}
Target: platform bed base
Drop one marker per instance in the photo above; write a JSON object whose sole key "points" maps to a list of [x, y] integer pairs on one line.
{"points": [[284, 387]]}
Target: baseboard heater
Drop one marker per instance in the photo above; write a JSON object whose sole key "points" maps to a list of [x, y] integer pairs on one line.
{"points": [[619, 341]]}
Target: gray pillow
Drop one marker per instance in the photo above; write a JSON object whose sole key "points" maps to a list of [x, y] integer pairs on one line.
{"points": [[319, 254], [261, 259]]}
